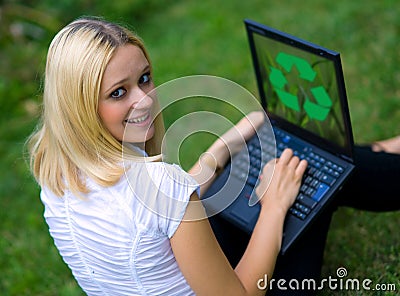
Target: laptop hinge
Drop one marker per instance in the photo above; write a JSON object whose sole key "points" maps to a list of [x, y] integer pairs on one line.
{"points": [[347, 158]]}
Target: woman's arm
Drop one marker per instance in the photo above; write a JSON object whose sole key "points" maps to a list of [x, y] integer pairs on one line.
{"points": [[278, 194], [215, 158], [200, 257]]}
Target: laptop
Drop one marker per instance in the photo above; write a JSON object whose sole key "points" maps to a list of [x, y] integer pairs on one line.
{"points": [[301, 88]]}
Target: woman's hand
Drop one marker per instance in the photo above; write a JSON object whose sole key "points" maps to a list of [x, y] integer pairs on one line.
{"points": [[280, 181]]}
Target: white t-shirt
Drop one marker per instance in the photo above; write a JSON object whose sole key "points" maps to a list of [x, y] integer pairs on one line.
{"points": [[116, 239]]}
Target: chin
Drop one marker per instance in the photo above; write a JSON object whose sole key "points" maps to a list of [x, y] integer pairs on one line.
{"points": [[134, 136]]}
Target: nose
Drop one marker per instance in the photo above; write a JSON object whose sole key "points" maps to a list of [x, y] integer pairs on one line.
{"points": [[142, 100]]}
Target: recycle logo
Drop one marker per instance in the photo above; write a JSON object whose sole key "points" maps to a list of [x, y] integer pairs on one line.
{"points": [[318, 110]]}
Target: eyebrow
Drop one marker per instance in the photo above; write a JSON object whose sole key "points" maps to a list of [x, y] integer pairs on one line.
{"points": [[122, 81]]}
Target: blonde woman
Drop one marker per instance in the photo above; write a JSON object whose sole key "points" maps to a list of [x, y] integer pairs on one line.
{"points": [[97, 181]]}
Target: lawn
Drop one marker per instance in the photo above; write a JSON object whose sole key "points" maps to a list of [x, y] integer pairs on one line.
{"points": [[186, 38]]}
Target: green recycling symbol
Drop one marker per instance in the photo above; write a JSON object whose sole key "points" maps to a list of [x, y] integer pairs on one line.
{"points": [[318, 110]]}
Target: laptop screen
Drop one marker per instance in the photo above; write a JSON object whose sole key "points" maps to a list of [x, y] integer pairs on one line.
{"points": [[302, 88]]}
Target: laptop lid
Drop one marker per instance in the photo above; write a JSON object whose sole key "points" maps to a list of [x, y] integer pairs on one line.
{"points": [[301, 88]]}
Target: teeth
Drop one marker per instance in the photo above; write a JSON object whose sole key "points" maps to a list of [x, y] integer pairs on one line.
{"points": [[137, 120]]}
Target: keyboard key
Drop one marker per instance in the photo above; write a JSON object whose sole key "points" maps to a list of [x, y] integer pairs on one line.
{"points": [[254, 172], [317, 174], [327, 179], [251, 181], [286, 139], [303, 188], [308, 180], [297, 213], [302, 208], [308, 202], [314, 183], [321, 190], [340, 170], [310, 170], [310, 191]]}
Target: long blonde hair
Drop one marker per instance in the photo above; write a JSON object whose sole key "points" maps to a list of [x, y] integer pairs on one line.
{"points": [[71, 142]]}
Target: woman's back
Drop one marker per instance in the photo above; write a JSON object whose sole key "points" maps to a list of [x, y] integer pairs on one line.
{"points": [[113, 241]]}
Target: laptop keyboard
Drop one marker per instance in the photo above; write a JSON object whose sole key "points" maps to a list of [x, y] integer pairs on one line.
{"points": [[320, 174]]}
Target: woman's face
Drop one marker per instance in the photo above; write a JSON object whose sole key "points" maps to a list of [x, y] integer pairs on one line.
{"points": [[125, 107]]}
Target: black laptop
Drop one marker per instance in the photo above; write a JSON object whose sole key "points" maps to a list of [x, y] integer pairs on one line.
{"points": [[301, 88]]}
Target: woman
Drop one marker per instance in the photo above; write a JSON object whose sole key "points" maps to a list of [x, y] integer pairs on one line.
{"points": [[124, 222]]}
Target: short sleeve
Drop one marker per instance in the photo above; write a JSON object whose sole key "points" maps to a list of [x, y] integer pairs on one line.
{"points": [[161, 194]]}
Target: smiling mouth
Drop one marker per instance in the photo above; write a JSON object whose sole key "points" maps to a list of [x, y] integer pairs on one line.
{"points": [[138, 119]]}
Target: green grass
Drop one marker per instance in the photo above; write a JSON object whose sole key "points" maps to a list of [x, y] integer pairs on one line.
{"points": [[197, 37]]}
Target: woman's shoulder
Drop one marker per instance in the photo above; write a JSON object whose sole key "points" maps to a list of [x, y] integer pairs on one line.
{"points": [[159, 172], [162, 188]]}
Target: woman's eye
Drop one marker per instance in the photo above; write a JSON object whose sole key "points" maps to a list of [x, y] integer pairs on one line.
{"points": [[118, 93], [145, 78]]}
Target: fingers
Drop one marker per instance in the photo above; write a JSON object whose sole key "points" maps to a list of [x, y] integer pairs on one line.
{"points": [[301, 168], [286, 156], [281, 180], [289, 160], [293, 162]]}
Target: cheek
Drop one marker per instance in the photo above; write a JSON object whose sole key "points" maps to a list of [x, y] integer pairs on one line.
{"points": [[109, 114], [112, 119]]}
